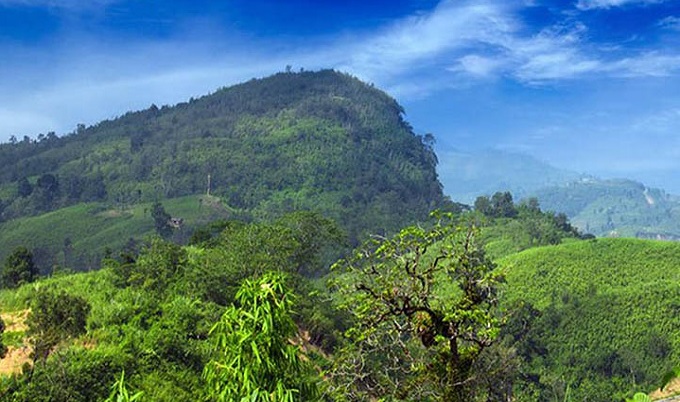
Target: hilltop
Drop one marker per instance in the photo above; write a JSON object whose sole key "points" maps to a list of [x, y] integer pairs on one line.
{"points": [[321, 141]]}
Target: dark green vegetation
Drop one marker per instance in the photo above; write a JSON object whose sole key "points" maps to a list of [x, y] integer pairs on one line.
{"points": [[616, 208], [320, 141]]}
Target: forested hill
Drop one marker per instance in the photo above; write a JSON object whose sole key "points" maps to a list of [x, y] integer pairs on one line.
{"points": [[617, 208], [310, 140]]}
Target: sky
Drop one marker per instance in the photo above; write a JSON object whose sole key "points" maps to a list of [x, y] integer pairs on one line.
{"points": [[586, 85]]}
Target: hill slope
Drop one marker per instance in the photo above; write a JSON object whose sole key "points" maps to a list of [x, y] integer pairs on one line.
{"points": [[603, 316], [615, 208], [313, 140]]}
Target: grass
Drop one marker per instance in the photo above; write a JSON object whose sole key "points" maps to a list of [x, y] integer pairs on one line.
{"points": [[94, 226]]}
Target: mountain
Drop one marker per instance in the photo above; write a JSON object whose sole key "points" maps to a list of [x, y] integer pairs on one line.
{"points": [[615, 208], [321, 141], [469, 174], [611, 207]]}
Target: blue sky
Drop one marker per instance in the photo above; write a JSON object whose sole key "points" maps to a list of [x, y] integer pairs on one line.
{"points": [[587, 85]]}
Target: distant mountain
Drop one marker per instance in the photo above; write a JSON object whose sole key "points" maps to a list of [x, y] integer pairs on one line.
{"points": [[321, 141], [469, 174], [617, 208]]}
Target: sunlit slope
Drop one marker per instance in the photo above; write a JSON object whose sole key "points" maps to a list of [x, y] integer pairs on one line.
{"points": [[591, 268], [608, 312], [78, 235]]}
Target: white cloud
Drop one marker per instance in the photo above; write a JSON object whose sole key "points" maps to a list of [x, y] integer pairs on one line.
{"points": [[595, 4], [670, 22], [421, 41], [477, 65], [650, 64]]}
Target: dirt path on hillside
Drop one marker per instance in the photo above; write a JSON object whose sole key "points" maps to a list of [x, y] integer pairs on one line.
{"points": [[14, 360], [669, 392], [16, 355]]}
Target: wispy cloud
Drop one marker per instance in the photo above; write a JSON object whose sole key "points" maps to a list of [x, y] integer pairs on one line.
{"points": [[670, 22], [421, 41], [487, 39], [59, 4], [594, 4]]}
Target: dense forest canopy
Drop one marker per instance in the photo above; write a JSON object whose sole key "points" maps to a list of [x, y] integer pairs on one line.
{"points": [[321, 141]]}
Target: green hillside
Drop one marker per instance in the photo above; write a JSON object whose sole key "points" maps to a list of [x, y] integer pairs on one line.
{"points": [[321, 141], [622, 208], [77, 236], [601, 315]]}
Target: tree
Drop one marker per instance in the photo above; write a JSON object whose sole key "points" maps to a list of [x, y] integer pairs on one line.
{"points": [[483, 205], [24, 188], [54, 317], [161, 220], [19, 268], [253, 358], [425, 308], [502, 205]]}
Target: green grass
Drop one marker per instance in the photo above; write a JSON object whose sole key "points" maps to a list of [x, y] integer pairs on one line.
{"points": [[581, 268], [93, 227], [609, 321]]}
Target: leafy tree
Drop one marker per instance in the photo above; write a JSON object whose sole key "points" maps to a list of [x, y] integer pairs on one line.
{"points": [[502, 205], [161, 220], [254, 359], [314, 236], [24, 188], [47, 191], [158, 265], [54, 317], [19, 268], [425, 308], [483, 205]]}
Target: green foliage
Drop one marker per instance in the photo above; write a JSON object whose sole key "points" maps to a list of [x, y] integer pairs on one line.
{"points": [[161, 220], [640, 397], [3, 348], [55, 317], [18, 269], [120, 393], [522, 226], [424, 303], [158, 265], [617, 208], [254, 360], [317, 141], [72, 375], [604, 316]]}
